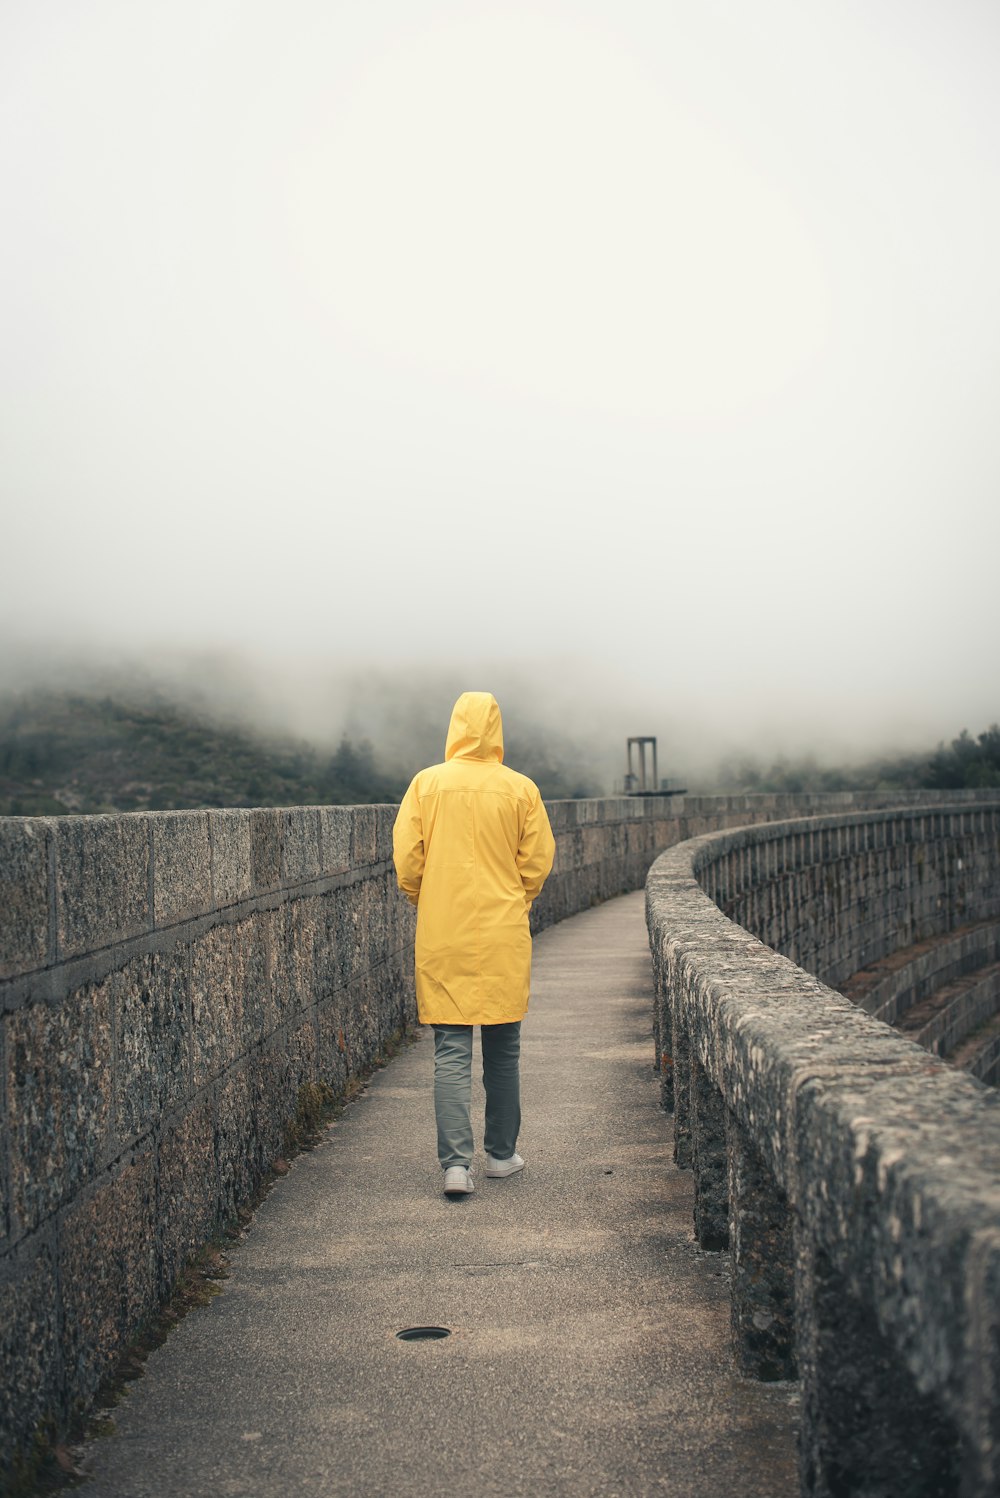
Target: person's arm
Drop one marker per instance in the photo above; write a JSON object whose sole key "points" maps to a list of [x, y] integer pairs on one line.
{"points": [[408, 845], [536, 849]]}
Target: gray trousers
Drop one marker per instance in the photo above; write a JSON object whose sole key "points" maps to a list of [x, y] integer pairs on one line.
{"points": [[453, 1090]]}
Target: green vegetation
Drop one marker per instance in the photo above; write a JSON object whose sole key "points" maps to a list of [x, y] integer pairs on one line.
{"points": [[70, 752], [61, 752], [968, 762]]}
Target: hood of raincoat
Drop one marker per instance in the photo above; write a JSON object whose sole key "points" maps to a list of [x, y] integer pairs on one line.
{"points": [[476, 729]]}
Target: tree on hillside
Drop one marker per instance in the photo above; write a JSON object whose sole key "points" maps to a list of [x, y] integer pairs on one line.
{"points": [[970, 762]]}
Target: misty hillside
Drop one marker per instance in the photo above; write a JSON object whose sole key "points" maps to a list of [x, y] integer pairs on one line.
{"points": [[61, 752], [967, 762], [66, 751], [70, 752]]}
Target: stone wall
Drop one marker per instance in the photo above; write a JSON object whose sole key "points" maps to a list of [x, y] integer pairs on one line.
{"points": [[854, 1177], [605, 847], [891, 988], [944, 992], [169, 985]]}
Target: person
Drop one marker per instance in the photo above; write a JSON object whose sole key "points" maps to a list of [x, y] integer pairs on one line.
{"points": [[472, 848]]}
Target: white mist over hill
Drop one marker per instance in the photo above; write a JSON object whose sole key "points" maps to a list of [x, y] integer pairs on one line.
{"points": [[639, 361]]}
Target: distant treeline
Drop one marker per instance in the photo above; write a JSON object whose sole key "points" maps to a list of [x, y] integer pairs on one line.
{"points": [[966, 762], [64, 752]]}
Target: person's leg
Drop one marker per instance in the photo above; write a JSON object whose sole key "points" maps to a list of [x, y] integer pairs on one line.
{"points": [[502, 1080], [453, 1093]]}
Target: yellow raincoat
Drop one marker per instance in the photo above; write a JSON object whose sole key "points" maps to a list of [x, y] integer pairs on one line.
{"points": [[472, 847]]}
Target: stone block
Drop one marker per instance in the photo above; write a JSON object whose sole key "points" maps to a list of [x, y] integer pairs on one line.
{"points": [[867, 1426], [59, 1085], [385, 820], [762, 1263], [253, 970], [390, 998], [217, 999], [153, 1030], [188, 1192], [335, 831], [231, 874], [6, 1205], [708, 1160], [302, 921], [593, 845], [379, 923], [241, 1152], [269, 1089], [300, 1052], [374, 1027], [326, 975], [275, 1076], [31, 1388], [24, 894], [263, 974], [182, 866], [107, 1272], [265, 849], [562, 815], [348, 907], [331, 1055], [300, 849], [363, 839], [102, 880], [358, 1027]]}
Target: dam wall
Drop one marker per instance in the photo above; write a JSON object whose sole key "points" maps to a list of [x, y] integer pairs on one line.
{"points": [[179, 993], [853, 1176]]}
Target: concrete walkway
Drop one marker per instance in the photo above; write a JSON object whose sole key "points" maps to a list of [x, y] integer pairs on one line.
{"points": [[590, 1337]]}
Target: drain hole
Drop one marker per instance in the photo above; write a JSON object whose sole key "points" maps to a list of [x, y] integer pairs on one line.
{"points": [[423, 1333]]}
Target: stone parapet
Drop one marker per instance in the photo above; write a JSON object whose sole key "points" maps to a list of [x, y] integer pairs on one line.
{"points": [[605, 847], [171, 984], [863, 1173]]}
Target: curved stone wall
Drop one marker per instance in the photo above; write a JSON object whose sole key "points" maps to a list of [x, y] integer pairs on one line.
{"points": [[605, 847], [854, 1177], [944, 992], [892, 987], [170, 983]]}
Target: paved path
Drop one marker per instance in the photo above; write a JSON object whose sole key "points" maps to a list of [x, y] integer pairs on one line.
{"points": [[590, 1346]]}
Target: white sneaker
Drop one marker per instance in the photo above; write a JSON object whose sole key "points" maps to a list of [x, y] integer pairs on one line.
{"points": [[496, 1167], [458, 1181]]}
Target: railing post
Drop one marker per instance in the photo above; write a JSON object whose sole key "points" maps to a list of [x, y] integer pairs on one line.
{"points": [[708, 1140], [682, 1092], [663, 1028], [866, 1428], [763, 1266]]}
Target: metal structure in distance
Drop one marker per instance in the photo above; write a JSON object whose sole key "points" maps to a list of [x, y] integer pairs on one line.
{"points": [[642, 784], [647, 781]]}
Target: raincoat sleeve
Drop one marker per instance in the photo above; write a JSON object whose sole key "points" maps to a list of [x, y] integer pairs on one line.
{"points": [[536, 849], [408, 845]]}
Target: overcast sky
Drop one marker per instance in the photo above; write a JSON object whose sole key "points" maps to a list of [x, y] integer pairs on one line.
{"points": [[649, 350]]}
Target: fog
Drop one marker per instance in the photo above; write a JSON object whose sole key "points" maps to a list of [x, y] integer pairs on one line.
{"points": [[635, 362]]}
